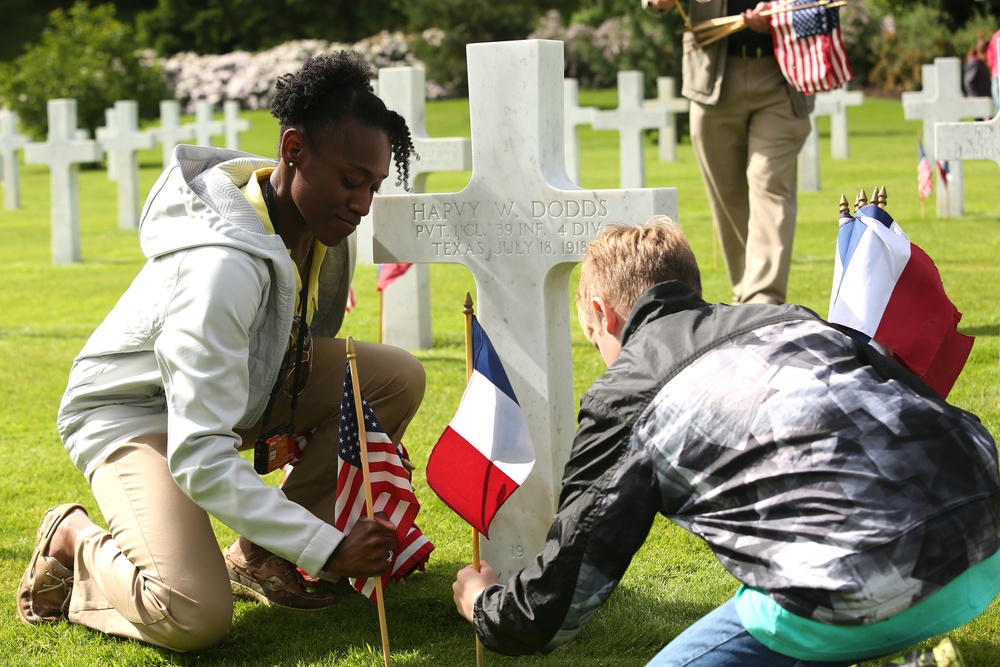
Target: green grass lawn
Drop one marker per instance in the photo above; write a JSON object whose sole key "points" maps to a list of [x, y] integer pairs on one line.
{"points": [[47, 312]]}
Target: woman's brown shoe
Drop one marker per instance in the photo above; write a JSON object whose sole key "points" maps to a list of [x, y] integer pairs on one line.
{"points": [[273, 581], [43, 595]]}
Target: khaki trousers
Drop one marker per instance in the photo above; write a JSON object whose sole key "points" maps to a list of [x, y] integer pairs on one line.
{"points": [[747, 146], [157, 574]]}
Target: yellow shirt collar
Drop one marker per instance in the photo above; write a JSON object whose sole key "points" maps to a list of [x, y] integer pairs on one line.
{"points": [[255, 196]]}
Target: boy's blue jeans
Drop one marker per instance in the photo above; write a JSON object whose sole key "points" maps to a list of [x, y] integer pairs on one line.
{"points": [[720, 640]]}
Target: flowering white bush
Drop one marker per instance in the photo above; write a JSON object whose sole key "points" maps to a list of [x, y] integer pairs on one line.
{"points": [[249, 77]]}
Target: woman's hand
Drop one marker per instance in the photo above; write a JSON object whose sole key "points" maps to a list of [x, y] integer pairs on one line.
{"points": [[366, 550], [754, 20], [470, 584]]}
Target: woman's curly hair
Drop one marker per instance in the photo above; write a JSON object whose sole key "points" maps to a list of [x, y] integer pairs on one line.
{"points": [[330, 89]]}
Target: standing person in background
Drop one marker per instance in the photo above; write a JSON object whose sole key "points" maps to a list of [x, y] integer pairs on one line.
{"points": [[976, 77], [991, 60], [977, 72], [226, 336], [747, 127]]}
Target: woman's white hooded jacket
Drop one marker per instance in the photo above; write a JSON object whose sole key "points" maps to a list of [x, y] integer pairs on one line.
{"points": [[194, 346]]}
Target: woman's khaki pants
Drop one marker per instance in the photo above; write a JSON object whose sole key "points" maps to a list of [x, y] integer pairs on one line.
{"points": [[158, 574]]}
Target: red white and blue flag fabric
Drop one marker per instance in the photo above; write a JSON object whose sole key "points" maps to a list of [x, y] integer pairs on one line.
{"points": [[809, 47], [388, 273], [888, 292], [352, 300], [925, 175], [944, 171], [391, 489], [485, 452]]}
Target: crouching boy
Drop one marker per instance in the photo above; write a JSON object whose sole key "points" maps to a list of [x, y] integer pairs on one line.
{"points": [[858, 509]]}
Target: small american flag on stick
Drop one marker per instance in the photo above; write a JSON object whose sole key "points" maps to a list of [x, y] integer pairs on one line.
{"points": [[925, 175], [809, 47], [391, 489]]}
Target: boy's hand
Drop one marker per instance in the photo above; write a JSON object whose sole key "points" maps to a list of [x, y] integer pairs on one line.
{"points": [[469, 585]]}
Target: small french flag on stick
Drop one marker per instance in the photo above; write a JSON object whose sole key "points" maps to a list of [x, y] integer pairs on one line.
{"points": [[485, 452], [887, 290]]}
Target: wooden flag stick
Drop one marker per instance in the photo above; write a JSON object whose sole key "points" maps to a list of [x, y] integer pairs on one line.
{"points": [[352, 357], [684, 16], [716, 35], [469, 311], [725, 20], [709, 32]]}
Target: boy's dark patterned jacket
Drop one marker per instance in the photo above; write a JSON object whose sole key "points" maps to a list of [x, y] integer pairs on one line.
{"points": [[817, 471]]}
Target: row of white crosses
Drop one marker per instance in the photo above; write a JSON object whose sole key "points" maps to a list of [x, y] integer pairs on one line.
{"points": [[834, 104], [67, 147]]}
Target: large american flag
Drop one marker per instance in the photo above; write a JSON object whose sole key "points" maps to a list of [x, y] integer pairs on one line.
{"points": [[925, 175], [391, 489], [809, 47]]}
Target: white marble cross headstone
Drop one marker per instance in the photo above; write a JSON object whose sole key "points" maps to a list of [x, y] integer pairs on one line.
{"points": [[109, 153], [666, 98], [233, 124], [520, 226], [942, 100], [204, 127], [171, 132], [808, 164], [64, 154], [406, 304], [575, 116], [630, 119], [10, 143], [122, 140], [834, 103]]}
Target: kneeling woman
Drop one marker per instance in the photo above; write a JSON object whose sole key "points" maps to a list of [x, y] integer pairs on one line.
{"points": [[209, 349]]}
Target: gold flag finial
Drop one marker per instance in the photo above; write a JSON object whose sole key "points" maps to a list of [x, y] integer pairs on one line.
{"points": [[845, 208], [882, 199], [862, 199]]}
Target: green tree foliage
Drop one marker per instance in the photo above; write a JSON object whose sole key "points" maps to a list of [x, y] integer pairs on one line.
{"points": [[921, 34], [23, 21], [862, 32], [221, 26], [953, 13], [85, 54], [461, 22], [630, 38]]}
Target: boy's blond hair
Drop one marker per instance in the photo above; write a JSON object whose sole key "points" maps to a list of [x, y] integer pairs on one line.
{"points": [[624, 261]]}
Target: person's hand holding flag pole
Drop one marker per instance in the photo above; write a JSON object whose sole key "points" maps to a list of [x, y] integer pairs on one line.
{"points": [[352, 357]]}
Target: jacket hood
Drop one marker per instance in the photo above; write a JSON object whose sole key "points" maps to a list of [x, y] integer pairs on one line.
{"points": [[196, 202]]}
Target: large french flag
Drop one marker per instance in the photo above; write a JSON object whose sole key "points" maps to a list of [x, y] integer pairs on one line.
{"points": [[887, 290], [485, 453]]}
